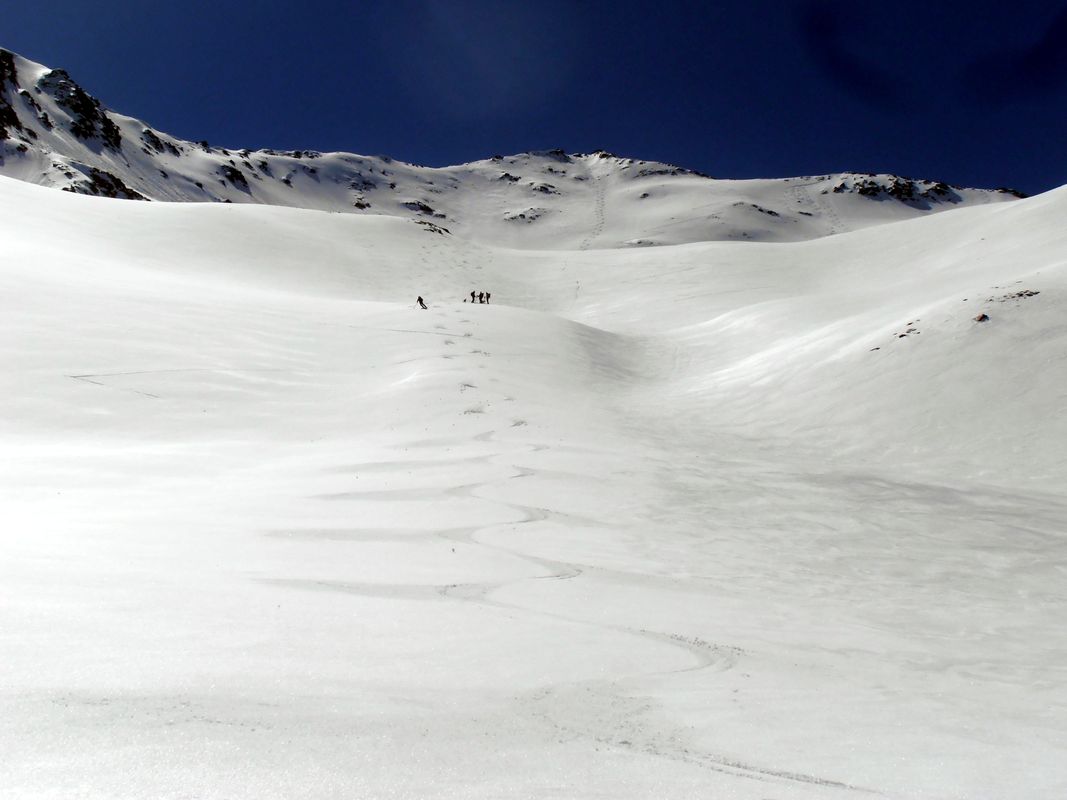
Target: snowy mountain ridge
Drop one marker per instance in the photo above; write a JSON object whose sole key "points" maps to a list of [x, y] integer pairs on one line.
{"points": [[54, 133]]}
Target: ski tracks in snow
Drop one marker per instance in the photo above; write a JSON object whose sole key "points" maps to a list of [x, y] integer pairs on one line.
{"points": [[599, 217], [612, 717], [620, 712], [617, 712], [807, 195]]}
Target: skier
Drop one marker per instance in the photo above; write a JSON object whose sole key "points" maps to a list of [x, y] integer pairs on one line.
{"points": [[487, 296], [421, 303], [481, 297], [472, 296]]}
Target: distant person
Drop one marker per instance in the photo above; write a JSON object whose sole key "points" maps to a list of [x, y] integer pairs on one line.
{"points": [[487, 296], [421, 303], [472, 296], [481, 297]]}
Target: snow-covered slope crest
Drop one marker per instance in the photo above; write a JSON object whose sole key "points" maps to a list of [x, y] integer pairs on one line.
{"points": [[54, 133]]}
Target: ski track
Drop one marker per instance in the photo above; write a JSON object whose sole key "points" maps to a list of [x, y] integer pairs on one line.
{"points": [[808, 196], [702, 655], [705, 655], [617, 730], [623, 729], [89, 378], [629, 735], [546, 703], [599, 201]]}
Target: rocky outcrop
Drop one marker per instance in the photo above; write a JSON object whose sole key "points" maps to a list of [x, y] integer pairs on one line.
{"points": [[88, 120], [100, 183], [921, 193], [235, 176], [155, 144], [9, 119]]}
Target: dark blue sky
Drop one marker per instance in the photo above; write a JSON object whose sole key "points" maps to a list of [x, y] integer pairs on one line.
{"points": [[973, 92]]}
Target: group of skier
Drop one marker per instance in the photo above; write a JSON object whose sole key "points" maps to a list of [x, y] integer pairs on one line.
{"points": [[476, 297]]}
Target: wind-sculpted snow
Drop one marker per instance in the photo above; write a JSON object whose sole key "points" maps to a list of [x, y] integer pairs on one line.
{"points": [[54, 133], [724, 519]]}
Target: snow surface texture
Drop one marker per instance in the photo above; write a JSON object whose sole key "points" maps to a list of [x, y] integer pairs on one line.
{"points": [[715, 520], [60, 136]]}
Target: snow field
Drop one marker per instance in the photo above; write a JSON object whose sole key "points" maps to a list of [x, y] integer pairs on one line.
{"points": [[656, 523]]}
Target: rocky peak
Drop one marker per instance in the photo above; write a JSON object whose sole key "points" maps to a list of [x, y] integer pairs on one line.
{"points": [[9, 119], [8, 73], [920, 193], [88, 119]]}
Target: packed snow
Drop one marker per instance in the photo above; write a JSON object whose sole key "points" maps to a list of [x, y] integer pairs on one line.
{"points": [[721, 519]]}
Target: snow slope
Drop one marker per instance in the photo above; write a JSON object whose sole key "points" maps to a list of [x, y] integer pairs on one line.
{"points": [[53, 133], [723, 519]]}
